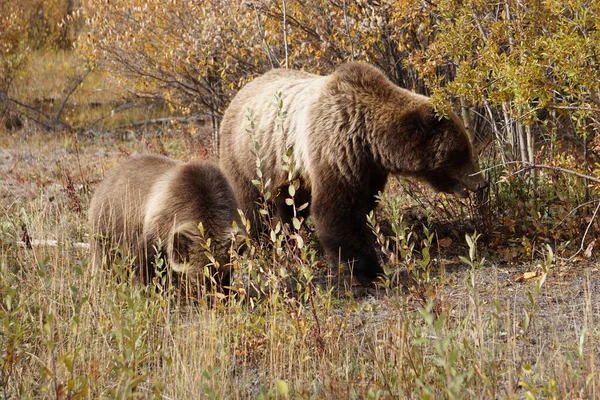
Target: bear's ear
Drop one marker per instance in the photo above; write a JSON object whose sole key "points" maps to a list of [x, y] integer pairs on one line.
{"points": [[426, 119], [180, 250]]}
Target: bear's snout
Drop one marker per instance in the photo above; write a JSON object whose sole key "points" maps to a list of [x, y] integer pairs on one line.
{"points": [[474, 182], [482, 184]]}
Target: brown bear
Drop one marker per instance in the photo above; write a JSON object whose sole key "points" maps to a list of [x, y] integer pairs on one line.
{"points": [[349, 131], [152, 199]]}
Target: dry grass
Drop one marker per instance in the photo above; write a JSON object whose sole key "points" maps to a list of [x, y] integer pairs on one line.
{"points": [[465, 332]]}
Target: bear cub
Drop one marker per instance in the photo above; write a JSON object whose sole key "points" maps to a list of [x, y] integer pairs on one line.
{"points": [[150, 201]]}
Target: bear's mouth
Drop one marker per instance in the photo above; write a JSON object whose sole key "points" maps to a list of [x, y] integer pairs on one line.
{"points": [[457, 186], [458, 189]]}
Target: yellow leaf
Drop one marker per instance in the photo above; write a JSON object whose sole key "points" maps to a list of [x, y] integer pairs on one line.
{"points": [[445, 242], [526, 276], [282, 388]]}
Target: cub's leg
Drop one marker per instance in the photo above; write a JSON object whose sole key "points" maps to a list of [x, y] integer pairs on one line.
{"points": [[97, 253]]}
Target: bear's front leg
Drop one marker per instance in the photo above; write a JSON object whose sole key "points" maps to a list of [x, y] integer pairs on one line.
{"points": [[340, 219], [248, 198]]}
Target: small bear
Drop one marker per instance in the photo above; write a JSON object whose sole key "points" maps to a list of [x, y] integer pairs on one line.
{"points": [[150, 200]]}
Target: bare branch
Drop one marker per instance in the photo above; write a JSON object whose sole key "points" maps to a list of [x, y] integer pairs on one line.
{"points": [[561, 169], [529, 166], [50, 243], [76, 84], [195, 117], [48, 126]]}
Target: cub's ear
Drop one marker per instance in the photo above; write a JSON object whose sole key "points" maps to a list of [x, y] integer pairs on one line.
{"points": [[181, 245]]}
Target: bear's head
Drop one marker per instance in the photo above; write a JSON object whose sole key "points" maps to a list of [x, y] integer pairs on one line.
{"points": [[188, 252], [451, 163]]}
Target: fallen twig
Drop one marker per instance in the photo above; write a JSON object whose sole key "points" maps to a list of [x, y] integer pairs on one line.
{"points": [[587, 229], [50, 243]]}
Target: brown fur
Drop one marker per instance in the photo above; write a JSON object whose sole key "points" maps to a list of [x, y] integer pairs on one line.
{"points": [[349, 131], [151, 199]]}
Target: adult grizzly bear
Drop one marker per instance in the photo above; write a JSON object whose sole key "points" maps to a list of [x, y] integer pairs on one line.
{"points": [[349, 131], [152, 199]]}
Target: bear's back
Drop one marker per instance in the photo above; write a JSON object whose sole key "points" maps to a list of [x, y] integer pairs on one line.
{"points": [[189, 194], [259, 96], [117, 206]]}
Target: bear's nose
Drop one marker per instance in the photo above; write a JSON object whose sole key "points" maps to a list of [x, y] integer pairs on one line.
{"points": [[482, 184]]}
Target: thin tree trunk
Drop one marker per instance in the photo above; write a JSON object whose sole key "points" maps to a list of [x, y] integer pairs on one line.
{"points": [[261, 32], [530, 152], [501, 140], [522, 142], [467, 118], [214, 122], [586, 182], [345, 10], [510, 132], [285, 37]]}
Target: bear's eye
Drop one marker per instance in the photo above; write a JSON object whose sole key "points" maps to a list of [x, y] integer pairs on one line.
{"points": [[458, 156]]}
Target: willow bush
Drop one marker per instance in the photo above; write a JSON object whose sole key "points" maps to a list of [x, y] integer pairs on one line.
{"points": [[523, 75]]}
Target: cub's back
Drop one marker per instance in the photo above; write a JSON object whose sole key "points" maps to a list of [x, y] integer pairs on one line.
{"points": [[117, 206], [191, 193]]}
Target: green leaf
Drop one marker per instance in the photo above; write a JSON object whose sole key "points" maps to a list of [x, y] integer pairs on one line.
{"points": [[465, 260], [299, 240], [282, 388]]}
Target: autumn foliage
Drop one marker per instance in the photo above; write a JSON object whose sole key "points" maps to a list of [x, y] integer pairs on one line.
{"points": [[523, 75], [509, 63], [187, 52]]}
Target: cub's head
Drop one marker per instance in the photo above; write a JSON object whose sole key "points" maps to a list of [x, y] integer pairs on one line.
{"points": [[189, 252], [450, 158]]}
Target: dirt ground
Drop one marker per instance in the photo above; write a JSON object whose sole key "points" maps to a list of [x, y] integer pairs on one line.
{"points": [[64, 169]]}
